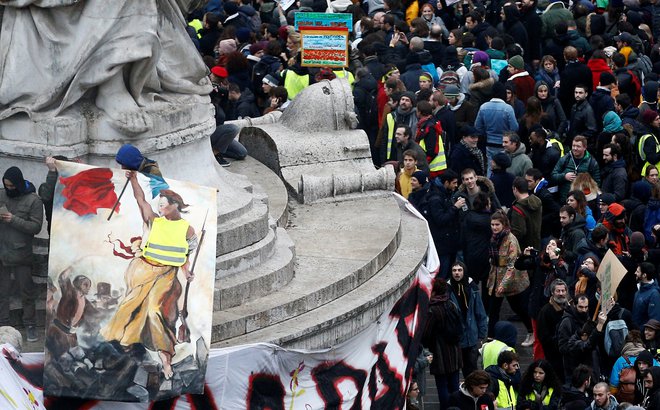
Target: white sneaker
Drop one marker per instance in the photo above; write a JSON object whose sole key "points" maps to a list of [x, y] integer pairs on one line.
{"points": [[529, 340]]}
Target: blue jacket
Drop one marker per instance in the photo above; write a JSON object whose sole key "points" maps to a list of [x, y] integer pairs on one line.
{"points": [[646, 304], [493, 119], [475, 322]]}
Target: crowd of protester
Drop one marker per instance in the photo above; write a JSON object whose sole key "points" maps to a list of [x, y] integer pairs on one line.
{"points": [[527, 134]]}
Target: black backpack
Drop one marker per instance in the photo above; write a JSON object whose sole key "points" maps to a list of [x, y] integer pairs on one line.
{"points": [[453, 326]]}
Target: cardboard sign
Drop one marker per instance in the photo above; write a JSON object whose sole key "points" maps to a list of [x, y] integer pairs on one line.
{"points": [[610, 272], [324, 47], [285, 3], [341, 20]]}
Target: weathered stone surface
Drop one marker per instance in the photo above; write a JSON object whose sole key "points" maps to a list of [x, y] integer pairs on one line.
{"points": [[317, 151]]}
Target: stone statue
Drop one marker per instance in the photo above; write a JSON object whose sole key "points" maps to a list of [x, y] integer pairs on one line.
{"points": [[121, 55]]}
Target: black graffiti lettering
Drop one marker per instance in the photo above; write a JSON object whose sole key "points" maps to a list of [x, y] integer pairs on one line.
{"points": [[391, 394], [327, 377], [265, 392]]}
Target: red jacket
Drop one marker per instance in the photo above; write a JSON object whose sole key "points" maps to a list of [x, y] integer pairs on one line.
{"points": [[597, 66], [524, 85]]}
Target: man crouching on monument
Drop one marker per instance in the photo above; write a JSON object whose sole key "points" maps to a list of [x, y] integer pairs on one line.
{"points": [[21, 217]]}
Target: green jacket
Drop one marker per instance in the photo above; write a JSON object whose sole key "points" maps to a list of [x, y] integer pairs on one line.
{"points": [[553, 14], [16, 236], [568, 164]]}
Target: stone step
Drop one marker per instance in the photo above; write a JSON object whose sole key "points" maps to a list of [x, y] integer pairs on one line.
{"points": [[344, 317], [243, 231], [339, 246], [246, 258], [267, 181], [272, 275]]}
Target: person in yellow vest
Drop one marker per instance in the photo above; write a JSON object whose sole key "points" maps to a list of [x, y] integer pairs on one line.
{"points": [[648, 146], [540, 388], [429, 138], [403, 185], [505, 335], [149, 311], [502, 377]]}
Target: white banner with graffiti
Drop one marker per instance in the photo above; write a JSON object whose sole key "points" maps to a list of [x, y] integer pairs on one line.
{"points": [[370, 370]]}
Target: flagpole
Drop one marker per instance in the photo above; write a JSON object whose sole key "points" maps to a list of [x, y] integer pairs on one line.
{"points": [[112, 211]]}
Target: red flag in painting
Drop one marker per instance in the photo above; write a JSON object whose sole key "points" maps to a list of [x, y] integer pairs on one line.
{"points": [[89, 190]]}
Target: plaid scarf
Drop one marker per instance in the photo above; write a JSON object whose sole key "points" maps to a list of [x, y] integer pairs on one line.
{"points": [[476, 152], [495, 243]]}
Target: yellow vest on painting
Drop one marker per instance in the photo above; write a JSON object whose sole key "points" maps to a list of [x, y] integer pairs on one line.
{"points": [[167, 242]]}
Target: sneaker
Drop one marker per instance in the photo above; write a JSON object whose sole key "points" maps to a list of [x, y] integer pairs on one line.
{"points": [[32, 335], [529, 340], [223, 162]]}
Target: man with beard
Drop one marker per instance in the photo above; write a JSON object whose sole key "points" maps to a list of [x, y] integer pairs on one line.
{"points": [[466, 154], [574, 350], [405, 142], [603, 400], [647, 299], [548, 319], [572, 233], [615, 176], [504, 383], [404, 114], [21, 217], [473, 315]]}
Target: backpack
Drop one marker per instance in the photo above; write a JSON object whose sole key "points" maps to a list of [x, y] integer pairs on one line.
{"points": [[615, 336], [449, 77], [636, 99], [644, 64], [453, 326], [627, 377]]}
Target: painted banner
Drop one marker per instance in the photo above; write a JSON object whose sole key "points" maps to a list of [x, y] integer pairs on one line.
{"points": [[341, 20], [370, 370], [610, 273], [130, 256], [324, 47]]}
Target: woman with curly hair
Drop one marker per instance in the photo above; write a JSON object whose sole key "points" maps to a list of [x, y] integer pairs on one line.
{"points": [[540, 388]]}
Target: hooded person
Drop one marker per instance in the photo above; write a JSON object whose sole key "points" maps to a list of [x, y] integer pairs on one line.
{"points": [[649, 98], [504, 338], [652, 399], [20, 220], [129, 157]]}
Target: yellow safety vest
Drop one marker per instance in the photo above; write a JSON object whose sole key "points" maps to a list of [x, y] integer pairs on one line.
{"points": [[491, 351], [390, 134], [295, 83], [506, 398], [640, 148], [197, 25], [167, 242], [439, 163], [559, 144], [546, 399], [340, 74]]}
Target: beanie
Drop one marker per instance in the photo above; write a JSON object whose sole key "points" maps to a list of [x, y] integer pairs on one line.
{"points": [[230, 8], [480, 57], [607, 78], [517, 62], [641, 190], [502, 160], [649, 116], [616, 209], [421, 177], [637, 241], [410, 95], [226, 46], [607, 198], [243, 34]]}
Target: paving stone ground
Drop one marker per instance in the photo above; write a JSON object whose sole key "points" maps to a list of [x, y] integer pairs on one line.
{"points": [[525, 353]]}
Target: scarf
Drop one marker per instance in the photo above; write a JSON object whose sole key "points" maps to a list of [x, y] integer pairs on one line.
{"points": [[494, 246], [477, 154], [459, 289]]}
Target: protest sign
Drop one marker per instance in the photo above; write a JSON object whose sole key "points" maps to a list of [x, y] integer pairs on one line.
{"points": [[324, 47]]}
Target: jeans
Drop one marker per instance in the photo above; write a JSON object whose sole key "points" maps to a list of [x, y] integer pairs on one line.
{"points": [[518, 305], [446, 384], [490, 153], [224, 141], [26, 288]]}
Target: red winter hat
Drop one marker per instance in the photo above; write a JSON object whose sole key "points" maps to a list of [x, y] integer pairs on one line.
{"points": [[220, 71], [616, 209]]}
